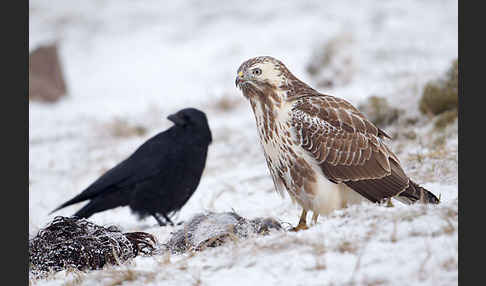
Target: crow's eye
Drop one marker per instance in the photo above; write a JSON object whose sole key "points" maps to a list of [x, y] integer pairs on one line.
{"points": [[257, 71]]}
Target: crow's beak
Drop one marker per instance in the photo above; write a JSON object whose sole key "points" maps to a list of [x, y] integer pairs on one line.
{"points": [[176, 119]]}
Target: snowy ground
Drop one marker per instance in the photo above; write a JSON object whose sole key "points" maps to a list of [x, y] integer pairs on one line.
{"points": [[138, 61]]}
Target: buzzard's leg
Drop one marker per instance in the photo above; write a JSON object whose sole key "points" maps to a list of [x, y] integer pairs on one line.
{"points": [[302, 222], [314, 217]]}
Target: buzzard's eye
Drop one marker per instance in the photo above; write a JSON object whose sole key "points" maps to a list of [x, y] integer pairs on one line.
{"points": [[257, 71]]}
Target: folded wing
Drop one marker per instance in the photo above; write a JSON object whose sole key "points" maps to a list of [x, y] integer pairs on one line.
{"points": [[347, 147]]}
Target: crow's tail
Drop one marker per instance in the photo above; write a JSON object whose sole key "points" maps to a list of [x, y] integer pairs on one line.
{"points": [[79, 198], [98, 204]]}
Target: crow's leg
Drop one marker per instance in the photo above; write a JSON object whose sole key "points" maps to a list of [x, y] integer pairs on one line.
{"points": [[161, 223], [168, 219]]}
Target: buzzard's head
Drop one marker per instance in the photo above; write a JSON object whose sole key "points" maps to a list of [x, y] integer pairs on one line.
{"points": [[260, 74], [268, 80]]}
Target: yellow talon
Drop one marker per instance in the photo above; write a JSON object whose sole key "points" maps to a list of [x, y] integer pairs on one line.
{"points": [[302, 222]]}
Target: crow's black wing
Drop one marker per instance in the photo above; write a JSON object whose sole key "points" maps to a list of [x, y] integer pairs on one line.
{"points": [[147, 161]]}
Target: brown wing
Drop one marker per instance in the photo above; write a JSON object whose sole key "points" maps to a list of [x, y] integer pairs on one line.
{"points": [[348, 147]]}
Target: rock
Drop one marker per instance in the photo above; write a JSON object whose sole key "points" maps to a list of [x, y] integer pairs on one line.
{"points": [[46, 80]]}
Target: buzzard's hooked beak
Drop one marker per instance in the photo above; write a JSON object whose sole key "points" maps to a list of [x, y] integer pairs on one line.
{"points": [[239, 79]]}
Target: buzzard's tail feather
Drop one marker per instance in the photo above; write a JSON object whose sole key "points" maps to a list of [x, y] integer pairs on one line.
{"points": [[414, 193]]}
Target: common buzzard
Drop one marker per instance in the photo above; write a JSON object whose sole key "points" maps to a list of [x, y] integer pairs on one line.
{"points": [[319, 148]]}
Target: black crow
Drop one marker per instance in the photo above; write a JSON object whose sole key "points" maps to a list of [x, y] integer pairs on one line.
{"points": [[159, 177]]}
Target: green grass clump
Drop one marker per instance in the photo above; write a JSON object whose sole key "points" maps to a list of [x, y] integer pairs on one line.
{"points": [[441, 95]]}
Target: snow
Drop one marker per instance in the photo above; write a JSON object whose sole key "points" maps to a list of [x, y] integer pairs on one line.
{"points": [[142, 60]]}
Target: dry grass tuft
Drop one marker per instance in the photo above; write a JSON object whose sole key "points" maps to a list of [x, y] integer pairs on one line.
{"points": [[450, 264], [445, 118], [122, 128], [409, 134], [379, 111], [332, 63], [374, 282], [347, 247], [393, 237], [441, 95], [320, 264], [449, 215], [120, 276], [227, 103]]}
